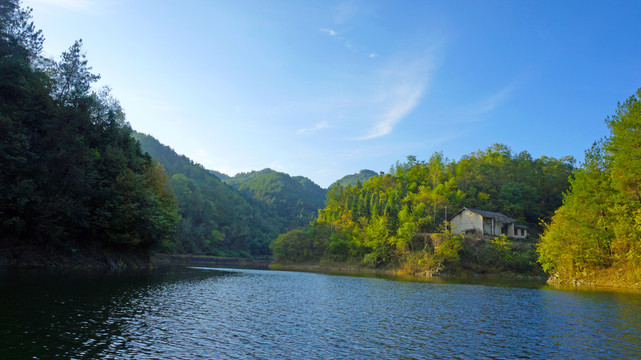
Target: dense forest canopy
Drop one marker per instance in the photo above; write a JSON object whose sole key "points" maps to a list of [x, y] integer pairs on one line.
{"points": [[238, 217], [352, 179], [598, 228], [71, 175], [380, 220], [294, 200], [215, 218]]}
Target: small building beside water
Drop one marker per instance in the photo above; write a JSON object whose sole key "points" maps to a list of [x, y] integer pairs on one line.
{"points": [[482, 222]]}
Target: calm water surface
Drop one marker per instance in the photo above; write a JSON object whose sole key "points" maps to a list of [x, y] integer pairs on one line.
{"points": [[261, 314]]}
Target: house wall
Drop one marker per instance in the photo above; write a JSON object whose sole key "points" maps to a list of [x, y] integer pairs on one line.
{"points": [[465, 221], [522, 233], [488, 226], [496, 228]]}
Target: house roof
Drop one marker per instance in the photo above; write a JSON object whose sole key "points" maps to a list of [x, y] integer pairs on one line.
{"points": [[488, 214]]}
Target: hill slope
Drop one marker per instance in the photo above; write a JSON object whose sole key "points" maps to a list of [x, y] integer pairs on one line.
{"points": [[352, 179], [75, 188], [293, 200], [216, 219], [384, 220], [219, 175]]}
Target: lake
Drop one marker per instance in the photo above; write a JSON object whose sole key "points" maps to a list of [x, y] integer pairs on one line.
{"points": [[188, 313]]}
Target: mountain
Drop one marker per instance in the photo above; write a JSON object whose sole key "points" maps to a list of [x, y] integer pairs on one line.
{"points": [[352, 179], [216, 219], [238, 215], [315, 191], [219, 175], [294, 200]]}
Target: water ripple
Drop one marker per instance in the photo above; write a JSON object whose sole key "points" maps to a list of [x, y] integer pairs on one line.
{"points": [[250, 314]]}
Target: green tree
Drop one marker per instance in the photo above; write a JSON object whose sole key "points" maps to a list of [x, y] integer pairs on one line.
{"points": [[72, 76], [624, 158], [291, 246], [216, 219], [598, 225], [71, 175], [20, 38]]}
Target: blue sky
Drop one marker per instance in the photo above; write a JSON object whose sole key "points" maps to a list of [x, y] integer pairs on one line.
{"points": [[326, 88]]}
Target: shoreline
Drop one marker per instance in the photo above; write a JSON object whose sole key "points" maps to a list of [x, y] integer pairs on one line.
{"points": [[396, 273], [465, 277], [52, 257], [26, 257], [607, 278], [208, 261]]}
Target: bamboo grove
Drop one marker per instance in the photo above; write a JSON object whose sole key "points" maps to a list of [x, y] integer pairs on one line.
{"points": [[385, 220]]}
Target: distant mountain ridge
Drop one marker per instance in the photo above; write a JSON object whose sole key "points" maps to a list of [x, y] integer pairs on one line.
{"points": [[219, 175], [234, 216], [296, 200], [216, 219], [352, 179]]}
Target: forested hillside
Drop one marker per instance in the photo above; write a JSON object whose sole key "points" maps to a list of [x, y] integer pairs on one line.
{"points": [[219, 175], [75, 178], [295, 201], [71, 176], [352, 179], [381, 220], [215, 218], [596, 235]]}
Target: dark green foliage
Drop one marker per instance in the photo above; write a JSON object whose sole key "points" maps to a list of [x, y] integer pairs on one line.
{"points": [[71, 175], [293, 245], [295, 201], [72, 77], [20, 39], [500, 255], [240, 216], [216, 219], [352, 179]]}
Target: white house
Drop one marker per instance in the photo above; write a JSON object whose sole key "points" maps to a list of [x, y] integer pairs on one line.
{"points": [[474, 221]]}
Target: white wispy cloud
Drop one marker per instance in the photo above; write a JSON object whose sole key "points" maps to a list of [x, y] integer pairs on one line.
{"points": [[476, 111], [329, 31], [492, 102], [315, 128], [348, 43], [343, 13], [403, 103], [371, 104], [404, 84]]}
